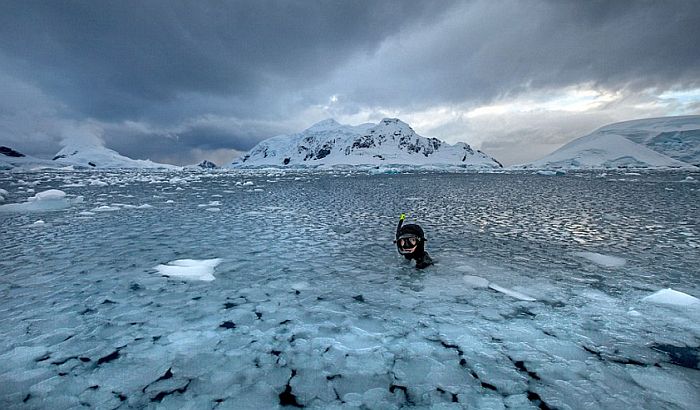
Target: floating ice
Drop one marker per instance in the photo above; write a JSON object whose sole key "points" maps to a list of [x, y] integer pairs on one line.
{"points": [[511, 292], [210, 204], [669, 296], [307, 311], [607, 261], [479, 282], [97, 182], [300, 286], [106, 208], [50, 200], [475, 281], [143, 206], [248, 183], [190, 269]]}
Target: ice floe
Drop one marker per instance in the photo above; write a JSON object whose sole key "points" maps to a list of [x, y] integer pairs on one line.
{"points": [[511, 292], [475, 281], [479, 282], [190, 269], [669, 296], [50, 200], [106, 208], [607, 261]]}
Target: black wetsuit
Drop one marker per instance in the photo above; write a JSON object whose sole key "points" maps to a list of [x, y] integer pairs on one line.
{"points": [[423, 260]]}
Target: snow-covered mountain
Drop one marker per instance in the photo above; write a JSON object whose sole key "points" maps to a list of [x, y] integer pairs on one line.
{"points": [[676, 137], [10, 158], [670, 142], [94, 156], [390, 142]]}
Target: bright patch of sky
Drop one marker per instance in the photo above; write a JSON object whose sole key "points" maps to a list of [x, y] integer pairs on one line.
{"points": [[556, 116]]}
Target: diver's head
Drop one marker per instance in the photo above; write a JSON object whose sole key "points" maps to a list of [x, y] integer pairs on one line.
{"points": [[410, 240]]}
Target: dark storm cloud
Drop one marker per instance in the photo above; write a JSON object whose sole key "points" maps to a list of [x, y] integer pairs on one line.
{"points": [[484, 50], [113, 59], [261, 68]]}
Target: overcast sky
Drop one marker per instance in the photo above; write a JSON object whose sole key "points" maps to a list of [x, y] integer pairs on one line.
{"points": [[179, 82]]}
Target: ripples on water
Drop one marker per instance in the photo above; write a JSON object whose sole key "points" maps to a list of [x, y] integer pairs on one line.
{"points": [[312, 305]]}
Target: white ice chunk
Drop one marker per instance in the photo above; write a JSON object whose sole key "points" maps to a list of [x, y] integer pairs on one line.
{"points": [[301, 286], [669, 296], [479, 282], [50, 200], [97, 182], [48, 195], [511, 292], [128, 206], [106, 208], [190, 269], [475, 281], [607, 261], [248, 183]]}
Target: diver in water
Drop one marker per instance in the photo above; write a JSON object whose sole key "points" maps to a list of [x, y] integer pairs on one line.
{"points": [[410, 241]]}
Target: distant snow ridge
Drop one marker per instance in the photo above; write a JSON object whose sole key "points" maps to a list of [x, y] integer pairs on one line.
{"points": [[669, 142], [390, 142], [10, 158], [93, 156]]}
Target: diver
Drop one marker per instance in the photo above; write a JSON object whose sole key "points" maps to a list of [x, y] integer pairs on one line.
{"points": [[410, 241]]}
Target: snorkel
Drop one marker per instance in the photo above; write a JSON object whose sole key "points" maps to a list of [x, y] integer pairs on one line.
{"points": [[398, 228]]}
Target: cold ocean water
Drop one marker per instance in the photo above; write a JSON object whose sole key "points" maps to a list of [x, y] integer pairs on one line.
{"points": [[310, 304]]}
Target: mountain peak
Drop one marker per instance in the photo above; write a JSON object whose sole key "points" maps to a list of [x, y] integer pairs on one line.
{"points": [[394, 124], [325, 125], [389, 142]]}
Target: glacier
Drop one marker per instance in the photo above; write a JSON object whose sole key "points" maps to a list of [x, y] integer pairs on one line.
{"points": [[660, 143], [571, 291]]}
